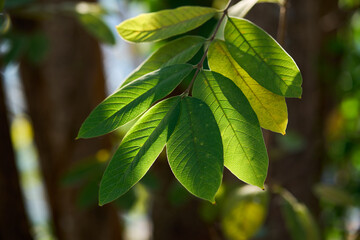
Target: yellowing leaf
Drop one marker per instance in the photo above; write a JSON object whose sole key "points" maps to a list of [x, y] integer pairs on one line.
{"points": [[263, 58], [164, 24], [270, 108]]}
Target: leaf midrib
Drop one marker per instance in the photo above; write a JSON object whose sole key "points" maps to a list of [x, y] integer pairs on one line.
{"points": [[217, 100], [139, 149], [193, 143], [121, 110], [238, 74], [166, 26]]}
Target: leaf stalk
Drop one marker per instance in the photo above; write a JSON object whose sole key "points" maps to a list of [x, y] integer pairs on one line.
{"points": [[200, 65]]}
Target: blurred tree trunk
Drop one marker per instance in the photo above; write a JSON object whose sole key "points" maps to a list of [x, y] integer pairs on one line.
{"points": [[306, 38], [13, 219], [176, 222], [60, 92]]}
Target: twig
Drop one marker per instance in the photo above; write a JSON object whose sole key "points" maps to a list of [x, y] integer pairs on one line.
{"points": [[199, 66]]}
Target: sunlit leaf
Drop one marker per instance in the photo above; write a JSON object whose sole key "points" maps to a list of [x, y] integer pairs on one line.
{"points": [[263, 58], [195, 151], [164, 24], [244, 212], [241, 8], [178, 51], [244, 149], [133, 99], [298, 218], [139, 149], [270, 108]]}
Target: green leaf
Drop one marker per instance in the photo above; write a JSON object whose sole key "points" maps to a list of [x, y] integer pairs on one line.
{"points": [[244, 212], [244, 148], [164, 24], [270, 108], [298, 218], [95, 25], [133, 99], [263, 58], [175, 52], [195, 151], [139, 149]]}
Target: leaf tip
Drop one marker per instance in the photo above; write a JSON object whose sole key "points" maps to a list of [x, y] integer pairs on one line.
{"points": [[78, 137]]}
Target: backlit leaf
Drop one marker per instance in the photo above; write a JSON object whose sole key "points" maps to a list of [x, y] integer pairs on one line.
{"points": [[263, 58], [270, 108], [242, 8], [139, 149], [178, 51], [195, 151], [133, 99], [244, 149], [164, 24]]}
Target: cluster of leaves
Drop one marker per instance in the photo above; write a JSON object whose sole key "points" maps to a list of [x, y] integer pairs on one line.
{"points": [[216, 122]]}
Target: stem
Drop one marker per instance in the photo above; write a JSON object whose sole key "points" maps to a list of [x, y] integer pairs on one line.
{"points": [[199, 66], [282, 23]]}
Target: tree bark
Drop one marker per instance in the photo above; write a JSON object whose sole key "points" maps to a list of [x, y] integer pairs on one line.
{"points": [[13, 218], [60, 92]]}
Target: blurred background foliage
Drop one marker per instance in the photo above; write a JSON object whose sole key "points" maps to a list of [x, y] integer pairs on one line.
{"points": [[313, 188]]}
